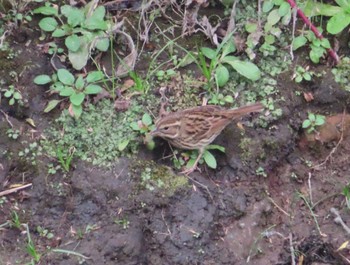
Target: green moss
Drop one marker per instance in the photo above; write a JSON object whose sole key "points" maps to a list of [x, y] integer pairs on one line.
{"points": [[157, 178], [97, 135]]}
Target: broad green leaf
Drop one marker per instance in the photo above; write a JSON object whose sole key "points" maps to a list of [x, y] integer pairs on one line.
{"points": [[46, 10], [79, 59], [94, 76], [320, 120], [66, 91], [306, 124], [338, 22], [146, 119], [8, 94], [287, 17], [102, 44], [229, 47], [42, 79], [229, 99], [316, 53], [66, 9], [51, 105], [77, 110], [12, 101], [17, 95], [65, 77], [247, 69], [298, 42], [251, 27], [209, 53], [93, 89], [325, 43], [122, 145], [59, 33], [312, 117], [221, 75], [313, 8], [273, 17], [209, 159], [345, 4], [135, 126], [79, 83], [267, 6], [284, 9], [48, 24], [73, 42], [77, 98], [270, 39], [96, 20], [76, 17]]}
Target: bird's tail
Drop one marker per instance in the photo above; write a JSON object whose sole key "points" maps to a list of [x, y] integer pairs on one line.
{"points": [[241, 111]]}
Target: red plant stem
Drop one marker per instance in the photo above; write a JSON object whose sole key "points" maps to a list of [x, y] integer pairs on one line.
{"points": [[318, 34]]}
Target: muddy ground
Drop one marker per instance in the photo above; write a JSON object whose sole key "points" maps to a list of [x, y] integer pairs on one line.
{"points": [[230, 215]]}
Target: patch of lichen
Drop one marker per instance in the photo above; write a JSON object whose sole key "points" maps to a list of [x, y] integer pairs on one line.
{"points": [[157, 178]]}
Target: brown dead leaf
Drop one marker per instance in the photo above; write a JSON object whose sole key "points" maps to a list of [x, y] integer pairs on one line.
{"points": [[308, 96], [121, 105], [127, 84]]}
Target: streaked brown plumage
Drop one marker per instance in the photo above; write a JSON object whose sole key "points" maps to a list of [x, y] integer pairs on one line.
{"points": [[195, 128]]}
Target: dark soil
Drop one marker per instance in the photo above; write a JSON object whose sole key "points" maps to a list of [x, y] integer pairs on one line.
{"points": [[229, 215]]}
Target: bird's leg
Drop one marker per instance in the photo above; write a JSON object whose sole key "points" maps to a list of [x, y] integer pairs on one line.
{"points": [[194, 167]]}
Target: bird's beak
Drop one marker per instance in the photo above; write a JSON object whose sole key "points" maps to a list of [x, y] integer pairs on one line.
{"points": [[154, 132]]}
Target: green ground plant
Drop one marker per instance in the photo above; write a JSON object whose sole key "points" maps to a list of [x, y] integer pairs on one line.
{"points": [[341, 73], [13, 95], [76, 89], [313, 121], [100, 136], [83, 29]]}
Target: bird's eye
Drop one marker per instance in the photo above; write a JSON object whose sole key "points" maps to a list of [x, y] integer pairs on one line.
{"points": [[165, 128]]}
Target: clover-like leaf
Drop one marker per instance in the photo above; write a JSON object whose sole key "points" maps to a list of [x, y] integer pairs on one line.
{"points": [[42, 79], [48, 24]]}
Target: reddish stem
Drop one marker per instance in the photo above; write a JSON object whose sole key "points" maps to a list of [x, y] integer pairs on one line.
{"points": [[318, 34]]}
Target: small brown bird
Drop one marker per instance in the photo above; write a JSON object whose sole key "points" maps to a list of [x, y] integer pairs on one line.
{"points": [[197, 127]]}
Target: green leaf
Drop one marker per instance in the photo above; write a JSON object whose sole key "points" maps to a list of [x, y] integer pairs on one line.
{"points": [[65, 77], [298, 42], [93, 89], [312, 117], [122, 145], [79, 58], [77, 110], [17, 95], [79, 83], [307, 76], [320, 120], [229, 47], [8, 94], [102, 44], [96, 20], [209, 53], [66, 91], [209, 159], [76, 17], [325, 43], [247, 69], [215, 147], [229, 99], [42, 79], [147, 119], [270, 39], [51, 105], [59, 33], [94, 76], [251, 27], [73, 42], [46, 10], [284, 9], [77, 98], [338, 22], [48, 24], [273, 17], [316, 53], [267, 6], [345, 4], [221, 75], [306, 124], [135, 126], [12, 101]]}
